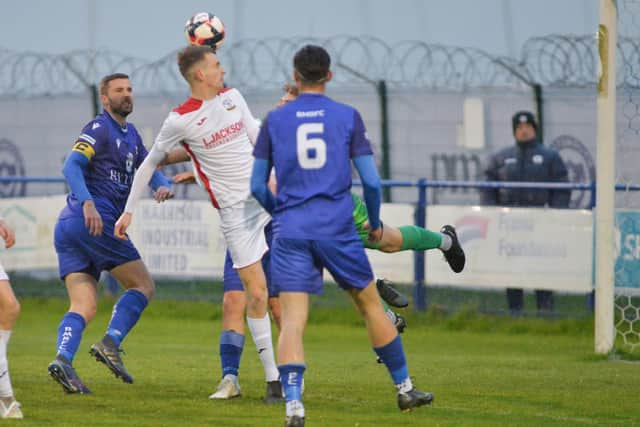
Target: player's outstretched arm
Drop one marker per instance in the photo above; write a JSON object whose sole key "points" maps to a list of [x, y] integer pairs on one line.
{"points": [[140, 181], [7, 234], [366, 167]]}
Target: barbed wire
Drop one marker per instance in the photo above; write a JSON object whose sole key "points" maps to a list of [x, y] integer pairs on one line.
{"points": [[556, 60]]}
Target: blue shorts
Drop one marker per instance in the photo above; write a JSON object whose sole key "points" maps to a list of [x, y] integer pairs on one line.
{"points": [[297, 264], [231, 280], [79, 252]]}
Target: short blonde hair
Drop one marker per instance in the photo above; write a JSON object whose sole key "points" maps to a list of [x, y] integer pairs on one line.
{"points": [[189, 56]]}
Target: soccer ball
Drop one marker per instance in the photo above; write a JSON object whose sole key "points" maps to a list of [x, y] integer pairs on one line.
{"points": [[204, 29]]}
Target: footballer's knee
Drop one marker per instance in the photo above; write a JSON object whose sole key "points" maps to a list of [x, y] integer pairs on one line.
{"points": [[86, 309], [233, 302], [145, 286], [391, 241], [293, 327], [390, 248], [9, 312], [256, 299], [148, 290]]}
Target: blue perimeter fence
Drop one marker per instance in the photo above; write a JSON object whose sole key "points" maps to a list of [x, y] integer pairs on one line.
{"points": [[420, 217]]}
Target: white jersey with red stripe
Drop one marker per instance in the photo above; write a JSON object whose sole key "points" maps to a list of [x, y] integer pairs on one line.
{"points": [[219, 134]]}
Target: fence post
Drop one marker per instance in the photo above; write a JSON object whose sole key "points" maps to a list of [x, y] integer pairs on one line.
{"points": [[381, 88], [591, 297], [419, 290], [95, 99]]}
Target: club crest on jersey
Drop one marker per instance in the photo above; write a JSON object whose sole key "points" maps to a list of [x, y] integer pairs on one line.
{"points": [[228, 104], [129, 163]]}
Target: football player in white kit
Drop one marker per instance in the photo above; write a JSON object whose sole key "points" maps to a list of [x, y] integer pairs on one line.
{"points": [[218, 131], [9, 310]]}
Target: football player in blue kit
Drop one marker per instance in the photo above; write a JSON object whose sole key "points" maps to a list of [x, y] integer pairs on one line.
{"points": [[99, 171], [311, 142]]}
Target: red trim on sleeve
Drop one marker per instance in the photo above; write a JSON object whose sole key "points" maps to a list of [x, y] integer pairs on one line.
{"points": [[189, 106], [203, 177]]}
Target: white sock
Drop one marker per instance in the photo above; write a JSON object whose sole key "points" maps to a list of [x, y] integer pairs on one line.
{"points": [[261, 333], [405, 386], [446, 243], [5, 381], [295, 407]]}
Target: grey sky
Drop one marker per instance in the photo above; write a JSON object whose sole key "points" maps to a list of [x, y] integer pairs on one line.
{"points": [[150, 29]]}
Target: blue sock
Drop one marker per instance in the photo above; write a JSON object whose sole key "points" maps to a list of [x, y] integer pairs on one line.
{"points": [[231, 345], [291, 378], [392, 355], [125, 315], [69, 335]]}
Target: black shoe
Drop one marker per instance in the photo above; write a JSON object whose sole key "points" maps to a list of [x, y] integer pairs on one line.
{"points": [[390, 295], [413, 399], [400, 323], [455, 255], [294, 421], [274, 393], [64, 374], [107, 352]]}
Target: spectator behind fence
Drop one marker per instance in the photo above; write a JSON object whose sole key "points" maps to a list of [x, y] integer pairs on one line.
{"points": [[528, 161]]}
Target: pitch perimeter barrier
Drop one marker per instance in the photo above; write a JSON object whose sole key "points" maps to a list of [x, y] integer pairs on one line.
{"points": [[532, 248]]}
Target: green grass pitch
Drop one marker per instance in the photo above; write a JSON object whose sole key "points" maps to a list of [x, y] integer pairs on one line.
{"points": [[484, 371]]}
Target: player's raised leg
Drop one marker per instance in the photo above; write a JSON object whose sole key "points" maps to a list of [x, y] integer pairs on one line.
{"points": [[140, 288], [409, 237], [82, 289]]}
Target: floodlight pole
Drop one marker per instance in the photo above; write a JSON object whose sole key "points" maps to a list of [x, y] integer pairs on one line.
{"points": [[381, 90]]}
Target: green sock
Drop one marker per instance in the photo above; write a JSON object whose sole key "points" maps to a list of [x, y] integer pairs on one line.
{"points": [[390, 313], [418, 238]]}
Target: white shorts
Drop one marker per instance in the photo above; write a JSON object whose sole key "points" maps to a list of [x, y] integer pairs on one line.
{"points": [[243, 228], [3, 274]]}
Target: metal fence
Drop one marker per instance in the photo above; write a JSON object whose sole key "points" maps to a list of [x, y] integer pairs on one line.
{"points": [[554, 60]]}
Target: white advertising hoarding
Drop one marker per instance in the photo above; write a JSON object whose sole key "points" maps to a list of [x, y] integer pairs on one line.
{"points": [[517, 247], [32, 220], [178, 238], [505, 247]]}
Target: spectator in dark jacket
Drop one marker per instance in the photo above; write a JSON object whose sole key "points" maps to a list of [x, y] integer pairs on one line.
{"points": [[529, 161]]}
